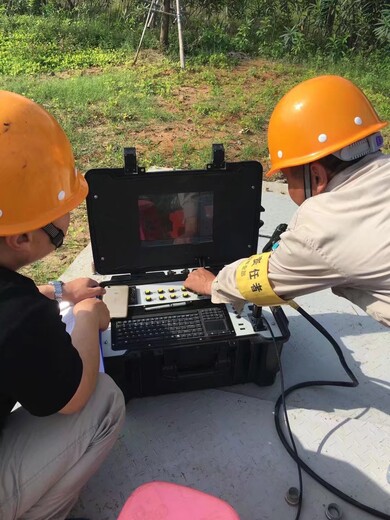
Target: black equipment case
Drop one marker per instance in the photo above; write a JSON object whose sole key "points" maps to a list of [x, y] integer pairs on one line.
{"points": [[148, 231]]}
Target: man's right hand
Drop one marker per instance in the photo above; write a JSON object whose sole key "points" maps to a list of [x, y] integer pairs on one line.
{"points": [[200, 281], [95, 307]]}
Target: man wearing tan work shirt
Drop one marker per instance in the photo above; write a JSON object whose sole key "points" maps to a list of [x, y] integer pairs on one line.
{"points": [[324, 137]]}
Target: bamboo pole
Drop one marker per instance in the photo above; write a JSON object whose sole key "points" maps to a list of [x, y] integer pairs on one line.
{"points": [[143, 32], [180, 34]]}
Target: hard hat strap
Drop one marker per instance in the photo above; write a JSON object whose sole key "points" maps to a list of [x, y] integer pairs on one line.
{"points": [[307, 181], [55, 234]]}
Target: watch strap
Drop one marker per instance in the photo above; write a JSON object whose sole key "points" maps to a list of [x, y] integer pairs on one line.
{"points": [[57, 284]]}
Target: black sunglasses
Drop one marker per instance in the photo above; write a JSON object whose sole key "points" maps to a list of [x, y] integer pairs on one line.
{"points": [[55, 234]]}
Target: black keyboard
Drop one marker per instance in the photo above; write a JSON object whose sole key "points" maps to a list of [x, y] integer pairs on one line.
{"points": [[180, 327]]}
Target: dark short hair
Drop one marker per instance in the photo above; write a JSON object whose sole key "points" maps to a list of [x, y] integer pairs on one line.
{"points": [[336, 165]]}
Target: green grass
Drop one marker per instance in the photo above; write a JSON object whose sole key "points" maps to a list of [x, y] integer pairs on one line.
{"points": [[172, 117], [103, 110]]}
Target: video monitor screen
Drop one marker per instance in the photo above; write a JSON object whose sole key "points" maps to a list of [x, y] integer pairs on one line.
{"points": [[175, 218]]}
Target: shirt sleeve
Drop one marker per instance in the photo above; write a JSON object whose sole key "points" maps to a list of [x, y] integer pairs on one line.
{"points": [[224, 288], [298, 266], [43, 369]]}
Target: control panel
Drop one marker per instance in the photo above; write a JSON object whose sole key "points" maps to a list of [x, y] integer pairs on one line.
{"points": [[170, 297], [153, 294]]}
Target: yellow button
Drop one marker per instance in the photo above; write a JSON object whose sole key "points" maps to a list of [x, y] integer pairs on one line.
{"points": [[148, 298], [162, 297], [171, 289], [148, 291], [173, 296], [185, 295], [183, 288], [160, 291]]}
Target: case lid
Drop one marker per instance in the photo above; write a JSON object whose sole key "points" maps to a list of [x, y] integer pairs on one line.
{"points": [[151, 221]]}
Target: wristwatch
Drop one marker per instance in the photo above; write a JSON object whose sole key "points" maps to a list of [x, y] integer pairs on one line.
{"points": [[57, 284]]}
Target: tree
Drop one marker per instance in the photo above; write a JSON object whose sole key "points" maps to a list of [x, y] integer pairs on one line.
{"points": [[165, 22]]}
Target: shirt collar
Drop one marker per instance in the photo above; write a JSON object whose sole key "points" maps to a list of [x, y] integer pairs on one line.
{"points": [[357, 169]]}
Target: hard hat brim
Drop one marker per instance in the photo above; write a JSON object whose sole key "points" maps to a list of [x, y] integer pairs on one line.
{"points": [[78, 196]]}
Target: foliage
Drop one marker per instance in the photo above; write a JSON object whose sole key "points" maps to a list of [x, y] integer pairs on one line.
{"points": [[382, 27], [299, 28], [33, 44]]}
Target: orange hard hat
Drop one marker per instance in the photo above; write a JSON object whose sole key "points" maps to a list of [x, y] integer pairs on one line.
{"points": [[38, 179], [316, 118]]}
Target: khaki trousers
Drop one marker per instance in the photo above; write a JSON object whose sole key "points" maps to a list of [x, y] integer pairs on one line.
{"points": [[45, 461]]}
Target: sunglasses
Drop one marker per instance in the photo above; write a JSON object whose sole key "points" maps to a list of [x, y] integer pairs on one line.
{"points": [[55, 234]]}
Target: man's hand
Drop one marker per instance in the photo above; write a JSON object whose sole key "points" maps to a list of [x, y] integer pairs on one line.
{"points": [[80, 289], [199, 281], [92, 307]]}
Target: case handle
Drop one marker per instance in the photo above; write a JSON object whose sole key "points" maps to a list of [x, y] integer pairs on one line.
{"points": [[221, 365]]}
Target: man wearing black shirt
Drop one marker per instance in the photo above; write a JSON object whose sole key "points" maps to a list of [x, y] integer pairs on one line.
{"points": [[70, 414]]}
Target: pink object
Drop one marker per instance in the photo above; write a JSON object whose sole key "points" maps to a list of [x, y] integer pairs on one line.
{"points": [[165, 501]]}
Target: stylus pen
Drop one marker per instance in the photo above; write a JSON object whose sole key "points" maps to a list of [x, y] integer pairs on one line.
{"points": [[166, 306]]}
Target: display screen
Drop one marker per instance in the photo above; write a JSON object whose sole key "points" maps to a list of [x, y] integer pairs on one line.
{"points": [[176, 218]]}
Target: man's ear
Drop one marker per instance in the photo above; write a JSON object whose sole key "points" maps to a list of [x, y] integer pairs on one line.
{"points": [[319, 178], [19, 243]]}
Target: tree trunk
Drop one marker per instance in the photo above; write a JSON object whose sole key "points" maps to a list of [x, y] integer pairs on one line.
{"points": [[165, 20]]}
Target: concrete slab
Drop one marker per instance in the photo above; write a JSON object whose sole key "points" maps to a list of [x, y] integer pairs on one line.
{"points": [[223, 441]]}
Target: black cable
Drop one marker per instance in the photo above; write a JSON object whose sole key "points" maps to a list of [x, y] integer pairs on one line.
{"points": [[274, 238], [281, 402]]}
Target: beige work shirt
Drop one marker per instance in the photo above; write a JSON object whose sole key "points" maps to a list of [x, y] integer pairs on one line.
{"points": [[339, 239]]}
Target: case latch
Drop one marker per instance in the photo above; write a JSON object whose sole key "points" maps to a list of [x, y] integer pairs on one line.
{"points": [[131, 166], [218, 158]]}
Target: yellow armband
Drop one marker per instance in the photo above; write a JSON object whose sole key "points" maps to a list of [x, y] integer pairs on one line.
{"points": [[252, 281]]}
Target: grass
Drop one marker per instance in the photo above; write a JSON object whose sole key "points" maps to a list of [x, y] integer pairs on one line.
{"points": [[172, 117]]}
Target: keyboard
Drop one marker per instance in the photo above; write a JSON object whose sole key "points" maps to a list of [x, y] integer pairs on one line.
{"points": [[178, 327]]}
